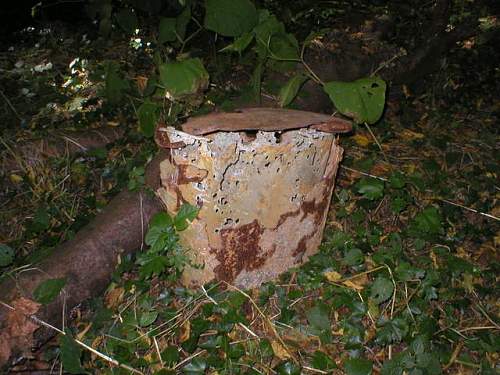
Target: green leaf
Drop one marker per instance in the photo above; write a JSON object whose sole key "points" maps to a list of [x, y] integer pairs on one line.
{"points": [[147, 318], [322, 361], [319, 316], [370, 188], [70, 354], [354, 257], [154, 266], [183, 77], [148, 114], [127, 20], [186, 213], [170, 355], [182, 22], [381, 290], [48, 290], [363, 100], [115, 85], [392, 331], [196, 366], [230, 17], [168, 30], [6, 255], [428, 221], [239, 44], [284, 47], [358, 366], [288, 368], [41, 220], [406, 272], [290, 90]]}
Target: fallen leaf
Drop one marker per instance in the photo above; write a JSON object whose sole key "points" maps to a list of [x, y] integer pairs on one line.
{"points": [[15, 178], [409, 135], [332, 276], [279, 350], [362, 140], [185, 331], [114, 297]]}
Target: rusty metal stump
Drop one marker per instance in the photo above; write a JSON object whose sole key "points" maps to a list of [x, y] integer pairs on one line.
{"points": [[263, 179]]}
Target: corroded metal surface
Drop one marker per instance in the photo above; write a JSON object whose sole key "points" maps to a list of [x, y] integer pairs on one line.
{"points": [[266, 119], [264, 199]]}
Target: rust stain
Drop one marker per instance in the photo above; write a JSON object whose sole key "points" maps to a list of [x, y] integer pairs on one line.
{"points": [[162, 139], [240, 251]]}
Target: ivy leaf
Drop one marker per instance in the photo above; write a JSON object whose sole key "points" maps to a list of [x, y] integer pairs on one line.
{"points": [[6, 255], [153, 266], [186, 213], [322, 362], [363, 99], [370, 188], [196, 366], [290, 90], [70, 354], [427, 222], [230, 17], [381, 290], [147, 318], [183, 77], [148, 114], [170, 355], [239, 44], [48, 290], [127, 20], [392, 331], [358, 366], [353, 257], [288, 368], [115, 85], [318, 317], [168, 30]]}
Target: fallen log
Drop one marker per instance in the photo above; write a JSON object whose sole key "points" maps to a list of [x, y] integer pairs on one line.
{"points": [[86, 263]]}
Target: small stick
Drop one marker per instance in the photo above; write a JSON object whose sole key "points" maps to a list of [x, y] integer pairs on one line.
{"points": [[11, 106]]}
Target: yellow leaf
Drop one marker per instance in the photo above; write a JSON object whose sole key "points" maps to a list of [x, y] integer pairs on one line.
{"points": [[409, 135], [362, 140], [350, 284], [15, 178], [185, 331], [332, 276], [114, 297], [279, 350]]}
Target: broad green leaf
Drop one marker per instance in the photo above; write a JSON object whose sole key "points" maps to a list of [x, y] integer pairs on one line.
{"points": [[287, 368], [363, 100], [370, 188], [115, 85], [230, 17], [41, 220], [381, 290], [183, 77], [154, 266], [392, 331], [70, 354], [168, 30], [182, 22], [428, 221], [406, 272], [290, 90], [354, 257], [196, 366], [147, 318], [170, 355], [127, 20], [148, 114], [48, 290], [318, 316], [186, 213], [322, 361], [6, 255], [239, 44], [161, 219], [358, 366], [284, 47]]}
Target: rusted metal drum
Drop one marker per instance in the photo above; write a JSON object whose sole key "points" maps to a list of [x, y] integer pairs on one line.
{"points": [[263, 179]]}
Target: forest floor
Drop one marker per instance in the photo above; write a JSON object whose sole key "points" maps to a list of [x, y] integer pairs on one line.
{"points": [[407, 276]]}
